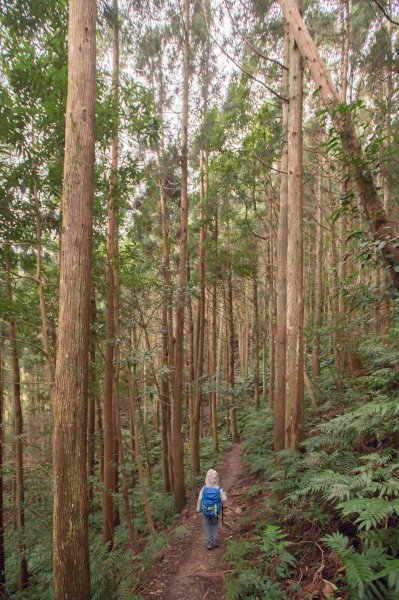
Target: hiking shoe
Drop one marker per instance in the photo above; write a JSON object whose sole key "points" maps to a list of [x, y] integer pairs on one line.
{"points": [[215, 545], [209, 546]]}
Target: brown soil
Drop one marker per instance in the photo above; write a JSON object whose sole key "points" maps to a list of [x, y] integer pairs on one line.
{"points": [[189, 571]]}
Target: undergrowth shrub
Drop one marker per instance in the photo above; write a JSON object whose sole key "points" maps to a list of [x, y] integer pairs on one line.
{"points": [[340, 490]]}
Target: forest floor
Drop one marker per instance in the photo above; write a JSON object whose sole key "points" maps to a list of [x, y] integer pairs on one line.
{"points": [[188, 571]]}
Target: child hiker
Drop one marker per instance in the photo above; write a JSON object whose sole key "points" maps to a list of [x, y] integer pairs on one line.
{"points": [[209, 503]]}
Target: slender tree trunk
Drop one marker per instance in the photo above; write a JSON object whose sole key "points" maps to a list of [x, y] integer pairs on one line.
{"points": [[319, 277], [2, 551], [110, 436], [281, 326], [387, 186], [200, 338], [256, 338], [18, 446], [164, 399], [177, 435], [214, 353], [167, 315], [334, 286], [344, 218], [117, 409], [370, 201], [100, 433], [231, 340], [42, 298], [91, 414], [71, 566], [132, 400], [294, 366], [271, 309]]}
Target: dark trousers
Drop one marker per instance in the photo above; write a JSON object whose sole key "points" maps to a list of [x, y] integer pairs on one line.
{"points": [[211, 526]]}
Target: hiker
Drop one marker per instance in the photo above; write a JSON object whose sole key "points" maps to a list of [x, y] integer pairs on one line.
{"points": [[209, 503]]}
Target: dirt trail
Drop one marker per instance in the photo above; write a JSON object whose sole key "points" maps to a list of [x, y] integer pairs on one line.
{"points": [[190, 571]]}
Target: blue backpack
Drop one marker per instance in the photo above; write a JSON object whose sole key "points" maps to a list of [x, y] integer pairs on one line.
{"points": [[211, 503]]}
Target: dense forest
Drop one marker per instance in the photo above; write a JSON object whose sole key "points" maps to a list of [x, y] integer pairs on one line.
{"points": [[199, 266]]}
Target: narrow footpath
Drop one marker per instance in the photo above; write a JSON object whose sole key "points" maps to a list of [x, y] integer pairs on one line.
{"points": [[189, 571]]}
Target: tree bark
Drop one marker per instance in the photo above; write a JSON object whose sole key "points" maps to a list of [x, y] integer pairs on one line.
{"points": [[71, 497], [2, 551], [231, 340], [294, 357], [18, 445], [200, 337], [271, 309], [213, 375], [317, 321], [40, 287], [177, 435], [91, 412], [281, 325], [110, 440], [385, 307], [136, 452], [379, 224]]}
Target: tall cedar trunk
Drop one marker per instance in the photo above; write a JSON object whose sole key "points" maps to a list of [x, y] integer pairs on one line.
{"points": [[281, 325], [18, 445], [343, 221], [117, 409], [99, 429], [256, 338], [167, 314], [177, 434], [334, 285], [387, 185], [2, 553], [42, 298], [91, 411], [200, 337], [132, 392], [166, 344], [319, 277], [230, 340], [294, 357], [271, 308], [71, 566], [370, 201], [214, 352], [110, 439], [164, 399]]}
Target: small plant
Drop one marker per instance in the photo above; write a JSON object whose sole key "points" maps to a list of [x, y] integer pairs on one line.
{"points": [[274, 549]]}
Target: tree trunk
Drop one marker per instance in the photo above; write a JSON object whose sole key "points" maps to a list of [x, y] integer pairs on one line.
{"points": [[360, 171], [2, 552], [164, 400], [317, 321], [18, 445], [271, 308], [200, 337], [334, 282], [177, 435], [42, 298], [256, 337], [110, 439], [230, 341], [385, 307], [294, 366], [136, 452], [213, 351], [71, 496], [281, 326], [91, 413]]}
